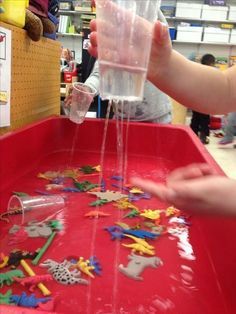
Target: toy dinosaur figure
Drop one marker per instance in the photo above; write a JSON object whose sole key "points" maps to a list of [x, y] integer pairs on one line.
{"points": [[32, 281], [151, 214], [132, 213], [9, 277], [98, 203], [96, 214], [61, 272], [15, 256], [109, 195], [84, 266], [5, 298], [13, 211], [97, 268], [141, 242], [136, 247], [124, 203], [28, 301], [85, 185], [140, 233], [137, 264], [172, 211]]}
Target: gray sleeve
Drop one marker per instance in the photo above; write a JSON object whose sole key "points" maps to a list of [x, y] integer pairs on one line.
{"points": [[93, 79]]}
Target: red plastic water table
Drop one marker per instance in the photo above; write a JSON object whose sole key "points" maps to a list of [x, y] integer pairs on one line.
{"points": [[198, 274]]}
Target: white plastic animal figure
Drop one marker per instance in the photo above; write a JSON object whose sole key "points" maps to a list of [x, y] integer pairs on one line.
{"points": [[137, 264]]}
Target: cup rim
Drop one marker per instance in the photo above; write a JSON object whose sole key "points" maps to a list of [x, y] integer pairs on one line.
{"points": [[93, 90]]}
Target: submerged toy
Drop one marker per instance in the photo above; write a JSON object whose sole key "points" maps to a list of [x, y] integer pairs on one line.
{"points": [[62, 274], [96, 214], [93, 261], [84, 266], [151, 214], [85, 186], [13, 211], [30, 272], [9, 277], [33, 281], [136, 247], [109, 195], [137, 264], [27, 301], [141, 242], [98, 203], [14, 258], [5, 298]]}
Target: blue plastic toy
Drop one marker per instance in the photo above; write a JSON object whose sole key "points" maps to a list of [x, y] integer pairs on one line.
{"points": [[27, 301]]}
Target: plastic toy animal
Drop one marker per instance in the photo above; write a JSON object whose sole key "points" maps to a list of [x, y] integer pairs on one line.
{"points": [[93, 261], [28, 301], [34, 229], [14, 211], [109, 195], [96, 214], [84, 266], [14, 258], [5, 298], [62, 274], [137, 264], [140, 233], [9, 277], [32, 282], [151, 214], [136, 247], [132, 213], [141, 242]]}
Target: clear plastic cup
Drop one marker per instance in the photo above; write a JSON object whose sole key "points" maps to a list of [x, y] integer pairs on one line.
{"points": [[82, 97], [124, 38], [34, 208]]}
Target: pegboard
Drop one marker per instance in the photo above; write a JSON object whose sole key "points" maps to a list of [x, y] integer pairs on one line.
{"points": [[35, 79]]}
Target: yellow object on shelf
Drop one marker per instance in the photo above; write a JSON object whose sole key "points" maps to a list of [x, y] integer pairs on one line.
{"points": [[14, 12]]}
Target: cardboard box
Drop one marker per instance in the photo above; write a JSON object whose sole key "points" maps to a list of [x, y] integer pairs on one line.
{"points": [[232, 13], [189, 33], [216, 34], [214, 13], [190, 11]]}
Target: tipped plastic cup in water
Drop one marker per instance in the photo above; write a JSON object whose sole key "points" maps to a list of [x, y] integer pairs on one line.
{"points": [[34, 208], [82, 97], [124, 35]]}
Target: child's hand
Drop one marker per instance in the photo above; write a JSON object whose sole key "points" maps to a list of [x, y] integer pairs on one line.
{"points": [[195, 188], [161, 44]]}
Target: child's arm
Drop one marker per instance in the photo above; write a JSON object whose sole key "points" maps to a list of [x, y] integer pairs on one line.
{"points": [[194, 85]]}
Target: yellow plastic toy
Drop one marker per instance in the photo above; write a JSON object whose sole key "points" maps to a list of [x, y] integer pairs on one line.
{"points": [[136, 247], [141, 242], [14, 12], [151, 214], [84, 267]]}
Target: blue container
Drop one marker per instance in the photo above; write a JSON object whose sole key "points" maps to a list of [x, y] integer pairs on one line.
{"points": [[172, 32]]}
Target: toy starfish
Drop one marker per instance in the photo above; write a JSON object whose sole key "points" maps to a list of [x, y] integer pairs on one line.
{"points": [[109, 195], [96, 214]]}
